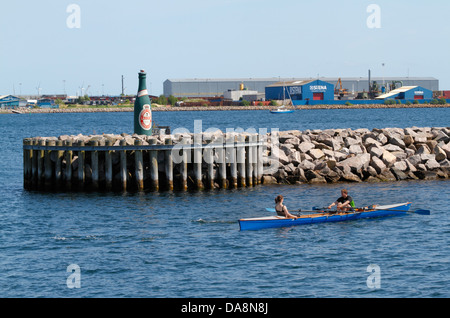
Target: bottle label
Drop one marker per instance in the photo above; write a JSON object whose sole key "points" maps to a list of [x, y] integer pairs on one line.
{"points": [[142, 93], [145, 117]]}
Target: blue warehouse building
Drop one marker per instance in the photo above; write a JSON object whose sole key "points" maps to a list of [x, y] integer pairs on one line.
{"points": [[408, 93], [319, 92], [47, 103], [301, 91], [9, 101]]}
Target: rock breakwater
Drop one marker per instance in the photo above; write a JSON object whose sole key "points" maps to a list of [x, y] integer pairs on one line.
{"points": [[345, 155]]}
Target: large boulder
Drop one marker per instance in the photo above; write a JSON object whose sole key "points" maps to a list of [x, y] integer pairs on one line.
{"points": [[376, 151], [397, 141], [420, 138], [314, 177], [356, 149], [377, 164], [306, 165], [432, 164], [446, 149], [269, 180], [370, 142], [388, 158], [355, 163], [350, 177], [293, 141], [295, 158], [305, 146], [400, 165], [392, 148], [316, 153], [281, 156], [439, 153], [387, 175], [415, 160]]}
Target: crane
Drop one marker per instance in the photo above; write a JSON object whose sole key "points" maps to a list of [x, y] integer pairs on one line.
{"points": [[340, 91]]}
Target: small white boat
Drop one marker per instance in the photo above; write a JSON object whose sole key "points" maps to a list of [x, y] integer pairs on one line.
{"points": [[281, 111]]}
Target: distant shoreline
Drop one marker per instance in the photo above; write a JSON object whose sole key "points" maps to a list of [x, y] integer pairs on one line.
{"points": [[206, 108]]}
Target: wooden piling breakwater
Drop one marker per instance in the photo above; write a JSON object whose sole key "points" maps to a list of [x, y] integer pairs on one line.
{"points": [[137, 163], [234, 160]]}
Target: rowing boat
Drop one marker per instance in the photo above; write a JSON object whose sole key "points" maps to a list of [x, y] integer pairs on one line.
{"points": [[323, 217]]}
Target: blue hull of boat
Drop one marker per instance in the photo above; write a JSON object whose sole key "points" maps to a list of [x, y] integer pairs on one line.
{"points": [[274, 222], [281, 112]]}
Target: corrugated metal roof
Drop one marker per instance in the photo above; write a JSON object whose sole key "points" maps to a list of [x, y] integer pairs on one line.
{"points": [[290, 83], [223, 79], [396, 91], [3, 96]]}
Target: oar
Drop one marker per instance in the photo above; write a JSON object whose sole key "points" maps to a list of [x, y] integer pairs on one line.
{"points": [[274, 211], [299, 210], [419, 211], [316, 208]]}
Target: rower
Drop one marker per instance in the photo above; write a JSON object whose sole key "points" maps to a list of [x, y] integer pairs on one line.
{"points": [[282, 209], [344, 203]]}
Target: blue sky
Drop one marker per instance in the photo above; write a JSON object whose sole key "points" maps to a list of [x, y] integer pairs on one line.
{"points": [[215, 39]]}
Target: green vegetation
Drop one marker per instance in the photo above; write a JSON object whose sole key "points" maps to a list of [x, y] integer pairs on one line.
{"points": [[441, 101], [172, 100], [83, 99], [161, 100]]}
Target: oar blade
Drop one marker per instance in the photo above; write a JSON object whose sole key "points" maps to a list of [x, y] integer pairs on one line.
{"points": [[422, 212]]}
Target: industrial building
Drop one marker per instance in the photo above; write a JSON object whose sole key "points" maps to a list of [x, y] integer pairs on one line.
{"points": [[408, 93], [47, 103], [213, 87], [237, 95], [216, 87], [301, 90], [10, 101]]}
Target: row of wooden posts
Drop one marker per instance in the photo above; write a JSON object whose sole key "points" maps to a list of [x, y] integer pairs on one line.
{"points": [[48, 164]]}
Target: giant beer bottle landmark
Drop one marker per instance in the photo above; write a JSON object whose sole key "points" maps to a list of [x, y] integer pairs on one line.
{"points": [[142, 108]]}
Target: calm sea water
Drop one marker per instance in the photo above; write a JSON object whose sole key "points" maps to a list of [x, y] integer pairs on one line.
{"points": [[189, 244]]}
